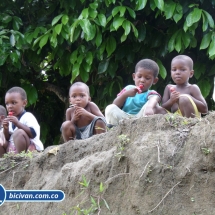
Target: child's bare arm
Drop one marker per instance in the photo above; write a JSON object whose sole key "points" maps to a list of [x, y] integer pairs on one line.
{"points": [[95, 110], [169, 98], [120, 100], [69, 113], [152, 102], [199, 99]]}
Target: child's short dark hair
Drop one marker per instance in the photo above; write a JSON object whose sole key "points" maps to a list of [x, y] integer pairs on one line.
{"points": [[19, 90], [148, 64], [187, 58], [3, 111], [80, 84]]}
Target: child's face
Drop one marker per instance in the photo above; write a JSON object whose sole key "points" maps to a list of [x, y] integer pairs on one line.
{"points": [[14, 103], [79, 96], [180, 71], [144, 77]]}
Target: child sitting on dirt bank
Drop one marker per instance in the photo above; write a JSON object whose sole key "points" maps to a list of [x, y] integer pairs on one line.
{"points": [[3, 114], [21, 129], [83, 118], [183, 98], [137, 100]]}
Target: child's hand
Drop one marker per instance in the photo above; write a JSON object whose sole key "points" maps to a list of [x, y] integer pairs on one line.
{"points": [[79, 111], [13, 119], [5, 123], [133, 91], [140, 88]]}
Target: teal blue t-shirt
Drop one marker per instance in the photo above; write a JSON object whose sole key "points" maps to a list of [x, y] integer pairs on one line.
{"points": [[134, 104]]}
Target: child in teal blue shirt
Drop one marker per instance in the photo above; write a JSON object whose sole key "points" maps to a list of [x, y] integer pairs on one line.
{"points": [[137, 100]]}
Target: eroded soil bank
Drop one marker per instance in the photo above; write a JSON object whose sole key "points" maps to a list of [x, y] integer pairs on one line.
{"points": [[154, 165]]}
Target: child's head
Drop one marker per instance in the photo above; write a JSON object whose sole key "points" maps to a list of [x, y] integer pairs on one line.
{"points": [[146, 72], [3, 113], [79, 94], [181, 69], [16, 100]]}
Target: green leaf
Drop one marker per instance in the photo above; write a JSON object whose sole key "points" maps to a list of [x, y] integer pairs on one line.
{"points": [[98, 38], [117, 22], [111, 45], [112, 67], [178, 13], [86, 66], [3, 58], [14, 56], [75, 72], [93, 13], [127, 27], [134, 30], [193, 17], [206, 40], [15, 25], [103, 65], [102, 19], [65, 19], [85, 13], [58, 28], [205, 87], [31, 93], [140, 4], [122, 10], [106, 204], [211, 51], [131, 12], [43, 40], [115, 11], [177, 17], [73, 57], [186, 39], [169, 9], [204, 22], [159, 4], [212, 71], [56, 19], [94, 5], [199, 69], [84, 75], [210, 19], [162, 70], [72, 30], [12, 40], [123, 38], [141, 32], [171, 44], [6, 18], [89, 58]]}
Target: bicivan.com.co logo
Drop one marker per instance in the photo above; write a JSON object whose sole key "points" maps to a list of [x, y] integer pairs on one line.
{"points": [[30, 195]]}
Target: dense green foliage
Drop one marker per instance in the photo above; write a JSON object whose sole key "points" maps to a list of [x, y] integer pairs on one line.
{"points": [[47, 45]]}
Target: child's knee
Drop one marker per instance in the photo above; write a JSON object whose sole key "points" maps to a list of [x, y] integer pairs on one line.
{"points": [[66, 125], [183, 100], [100, 126]]}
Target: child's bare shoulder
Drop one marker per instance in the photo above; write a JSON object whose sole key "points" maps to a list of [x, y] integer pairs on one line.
{"points": [[91, 106]]}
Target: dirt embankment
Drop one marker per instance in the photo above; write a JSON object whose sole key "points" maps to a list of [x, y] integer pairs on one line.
{"points": [[154, 165]]}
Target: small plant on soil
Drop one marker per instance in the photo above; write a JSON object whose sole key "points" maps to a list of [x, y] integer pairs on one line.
{"points": [[95, 200], [123, 140], [206, 151]]}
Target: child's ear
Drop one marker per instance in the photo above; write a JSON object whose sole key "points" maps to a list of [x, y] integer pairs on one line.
{"points": [[191, 73], [155, 80], [133, 76], [25, 102], [89, 99]]}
